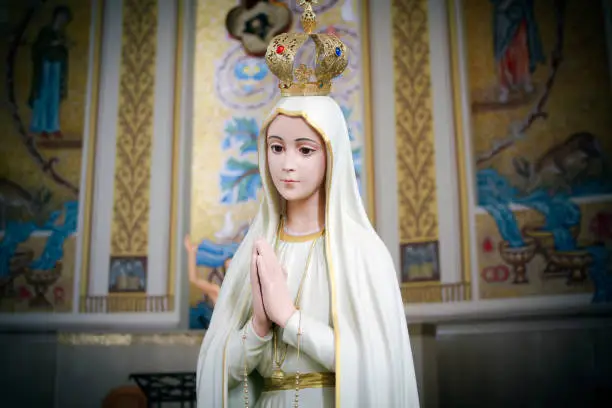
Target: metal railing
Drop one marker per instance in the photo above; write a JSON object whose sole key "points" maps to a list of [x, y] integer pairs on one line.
{"points": [[125, 303], [437, 293]]}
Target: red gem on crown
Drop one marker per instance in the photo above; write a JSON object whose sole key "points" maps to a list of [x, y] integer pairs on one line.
{"points": [[280, 49]]}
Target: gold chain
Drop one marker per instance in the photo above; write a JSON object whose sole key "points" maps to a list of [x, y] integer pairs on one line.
{"points": [[296, 399], [246, 371], [277, 372], [279, 362]]}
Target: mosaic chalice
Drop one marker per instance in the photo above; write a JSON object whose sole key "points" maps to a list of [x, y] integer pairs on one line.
{"points": [[41, 280], [546, 246], [518, 258], [17, 265], [573, 264]]}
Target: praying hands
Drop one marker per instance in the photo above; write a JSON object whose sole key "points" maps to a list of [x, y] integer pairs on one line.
{"points": [[271, 298]]}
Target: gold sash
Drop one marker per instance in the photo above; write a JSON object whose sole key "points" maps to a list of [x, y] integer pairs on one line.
{"points": [[307, 380]]}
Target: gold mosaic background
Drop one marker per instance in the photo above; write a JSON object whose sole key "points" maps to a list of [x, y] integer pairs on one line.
{"points": [[207, 215], [18, 165], [583, 76], [134, 129], [416, 167], [576, 103], [15, 162]]}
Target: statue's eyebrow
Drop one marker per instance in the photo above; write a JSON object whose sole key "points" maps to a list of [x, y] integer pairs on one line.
{"points": [[306, 139]]}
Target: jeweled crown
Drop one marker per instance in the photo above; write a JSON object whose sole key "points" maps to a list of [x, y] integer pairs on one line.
{"points": [[331, 58]]}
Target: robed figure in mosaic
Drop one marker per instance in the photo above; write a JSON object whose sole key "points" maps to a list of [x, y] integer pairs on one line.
{"points": [[49, 85]]}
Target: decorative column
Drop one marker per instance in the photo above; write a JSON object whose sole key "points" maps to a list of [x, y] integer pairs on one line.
{"points": [[130, 222], [415, 146], [133, 267]]}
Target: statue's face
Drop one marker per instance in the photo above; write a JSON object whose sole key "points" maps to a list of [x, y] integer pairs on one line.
{"points": [[296, 158]]}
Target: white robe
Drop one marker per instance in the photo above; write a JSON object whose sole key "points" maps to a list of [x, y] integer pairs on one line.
{"points": [[317, 343], [373, 362]]}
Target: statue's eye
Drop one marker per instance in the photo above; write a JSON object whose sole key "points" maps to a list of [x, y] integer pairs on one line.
{"points": [[276, 148], [306, 151]]}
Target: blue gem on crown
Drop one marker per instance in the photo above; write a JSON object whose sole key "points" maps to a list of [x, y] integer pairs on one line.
{"points": [[338, 51]]}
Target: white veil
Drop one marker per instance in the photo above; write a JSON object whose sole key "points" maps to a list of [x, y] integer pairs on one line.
{"points": [[374, 364]]}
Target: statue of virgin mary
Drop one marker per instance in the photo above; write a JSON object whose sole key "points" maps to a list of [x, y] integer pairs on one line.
{"points": [[343, 339]]}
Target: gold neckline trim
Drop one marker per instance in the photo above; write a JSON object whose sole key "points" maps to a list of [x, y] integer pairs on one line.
{"points": [[284, 236]]}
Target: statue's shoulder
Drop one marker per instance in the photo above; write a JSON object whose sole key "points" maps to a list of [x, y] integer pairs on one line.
{"points": [[368, 245]]}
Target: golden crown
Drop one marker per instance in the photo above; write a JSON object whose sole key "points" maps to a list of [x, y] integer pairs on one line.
{"points": [[331, 58]]}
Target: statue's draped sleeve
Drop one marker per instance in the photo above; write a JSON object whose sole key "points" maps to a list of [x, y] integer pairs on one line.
{"points": [[317, 338], [253, 346]]}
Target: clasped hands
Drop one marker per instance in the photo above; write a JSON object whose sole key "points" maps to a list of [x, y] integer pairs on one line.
{"points": [[271, 298]]}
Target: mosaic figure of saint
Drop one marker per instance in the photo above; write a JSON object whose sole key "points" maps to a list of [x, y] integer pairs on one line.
{"points": [[517, 45], [49, 84]]}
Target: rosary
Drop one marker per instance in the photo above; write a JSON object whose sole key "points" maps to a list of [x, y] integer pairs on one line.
{"points": [[296, 399], [278, 375]]}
